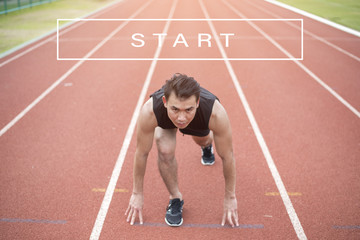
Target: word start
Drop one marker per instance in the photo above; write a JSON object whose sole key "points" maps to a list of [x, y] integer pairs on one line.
{"points": [[180, 39]]}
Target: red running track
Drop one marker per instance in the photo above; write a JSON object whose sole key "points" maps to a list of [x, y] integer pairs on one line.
{"points": [[58, 157]]}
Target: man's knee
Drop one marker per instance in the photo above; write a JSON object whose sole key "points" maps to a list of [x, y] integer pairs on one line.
{"points": [[166, 143], [166, 152]]}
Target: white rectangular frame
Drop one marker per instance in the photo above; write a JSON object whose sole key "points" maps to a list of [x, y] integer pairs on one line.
{"points": [[181, 20]]}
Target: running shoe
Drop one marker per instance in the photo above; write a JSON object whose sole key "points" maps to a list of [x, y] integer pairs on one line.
{"points": [[208, 157], [173, 215]]}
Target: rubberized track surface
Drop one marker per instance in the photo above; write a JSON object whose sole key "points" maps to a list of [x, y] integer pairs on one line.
{"points": [[58, 155]]}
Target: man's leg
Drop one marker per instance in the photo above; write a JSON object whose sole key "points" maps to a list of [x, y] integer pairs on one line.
{"points": [[166, 143], [208, 157]]}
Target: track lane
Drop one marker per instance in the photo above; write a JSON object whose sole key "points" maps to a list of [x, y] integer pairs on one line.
{"points": [[95, 234], [199, 210], [269, 160]]}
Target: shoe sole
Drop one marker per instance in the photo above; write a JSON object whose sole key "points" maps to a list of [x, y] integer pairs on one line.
{"points": [[174, 225], [207, 163]]}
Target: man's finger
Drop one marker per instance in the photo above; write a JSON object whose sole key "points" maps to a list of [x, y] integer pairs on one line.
{"points": [[223, 219], [133, 217], [141, 217], [230, 219], [129, 216], [236, 217], [126, 212]]}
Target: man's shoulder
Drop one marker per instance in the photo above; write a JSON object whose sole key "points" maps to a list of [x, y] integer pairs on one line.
{"points": [[217, 109], [147, 108], [219, 117], [147, 117]]}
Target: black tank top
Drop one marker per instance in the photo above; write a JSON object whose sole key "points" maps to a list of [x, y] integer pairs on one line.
{"points": [[199, 126]]}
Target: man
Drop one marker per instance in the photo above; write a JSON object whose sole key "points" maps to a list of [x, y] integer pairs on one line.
{"points": [[182, 104]]}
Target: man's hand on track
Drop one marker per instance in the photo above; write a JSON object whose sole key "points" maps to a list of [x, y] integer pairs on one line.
{"points": [[135, 207], [230, 211]]}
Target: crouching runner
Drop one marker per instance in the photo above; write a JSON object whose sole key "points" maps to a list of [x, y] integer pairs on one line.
{"points": [[182, 104]]}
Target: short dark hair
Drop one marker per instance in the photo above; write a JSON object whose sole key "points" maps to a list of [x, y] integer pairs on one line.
{"points": [[182, 86]]}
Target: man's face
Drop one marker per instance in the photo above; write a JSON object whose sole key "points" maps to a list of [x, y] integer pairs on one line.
{"points": [[181, 111]]}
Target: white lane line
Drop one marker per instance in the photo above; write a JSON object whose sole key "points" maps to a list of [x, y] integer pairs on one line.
{"points": [[309, 33], [276, 176], [74, 25], [302, 66], [70, 71], [95, 234], [317, 18]]}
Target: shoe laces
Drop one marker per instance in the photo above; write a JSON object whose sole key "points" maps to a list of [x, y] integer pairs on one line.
{"points": [[175, 206], [207, 151]]}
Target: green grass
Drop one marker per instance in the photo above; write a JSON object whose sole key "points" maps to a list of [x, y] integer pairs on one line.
{"points": [[26, 24], [344, 12]]}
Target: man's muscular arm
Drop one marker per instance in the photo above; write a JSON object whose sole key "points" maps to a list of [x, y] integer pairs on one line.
{"points": [[144, 139], [220, 125]]}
